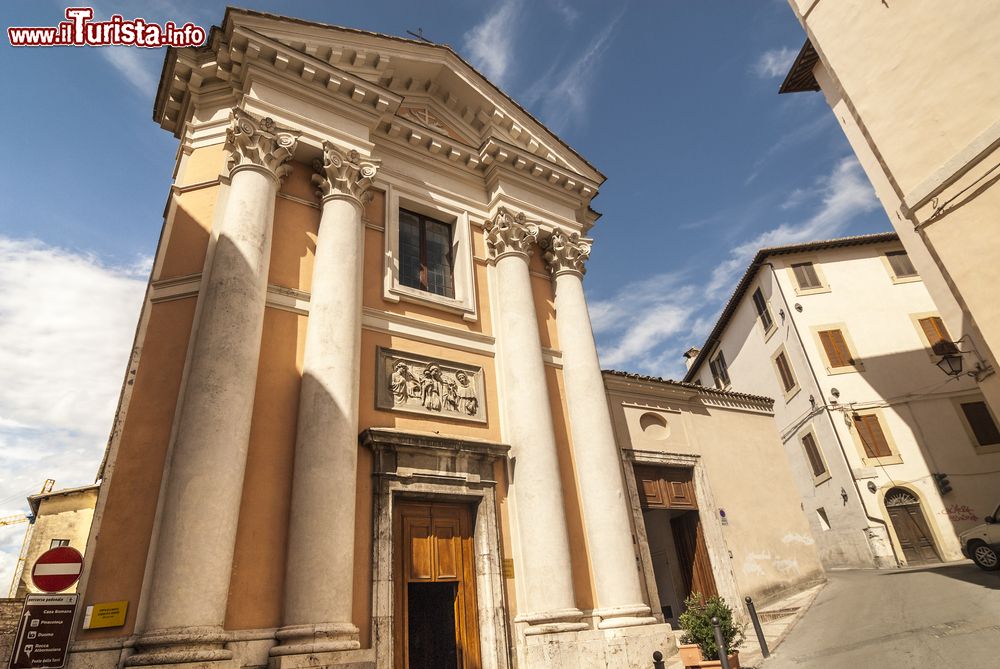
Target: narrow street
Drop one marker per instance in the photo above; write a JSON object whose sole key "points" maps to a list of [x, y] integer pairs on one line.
{"points": [[940, 616]]}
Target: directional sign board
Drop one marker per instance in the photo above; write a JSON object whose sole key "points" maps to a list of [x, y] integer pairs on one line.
{"points": [[42, 637], [57, 569]]}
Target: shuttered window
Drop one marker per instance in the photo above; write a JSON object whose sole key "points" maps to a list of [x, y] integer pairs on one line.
{"points": [[871, 435], [762, 311], [937, 335], [806, 276], [812, 453], [784, 371], [836, 349], [901, 265], [981, 421], [720, 372]]}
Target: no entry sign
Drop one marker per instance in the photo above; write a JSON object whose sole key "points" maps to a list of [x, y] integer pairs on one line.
{"points": [[57, 569]]}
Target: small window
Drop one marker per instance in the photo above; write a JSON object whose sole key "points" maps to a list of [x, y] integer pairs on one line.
{"points": [[937, 336], [763, 312], [425, 254], [824, 520], [835, 347], [871, 435], [812, 453], [900, 263], [720, 372], [977, 414], [784, 371], [56, 543], [806, 276]]}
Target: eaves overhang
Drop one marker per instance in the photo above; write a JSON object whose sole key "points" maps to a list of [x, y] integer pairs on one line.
{"points": [[800, 78]]}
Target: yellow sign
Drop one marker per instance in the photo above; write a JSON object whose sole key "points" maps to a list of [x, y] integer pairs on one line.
{"points": [[105, 614], [508, 568]]}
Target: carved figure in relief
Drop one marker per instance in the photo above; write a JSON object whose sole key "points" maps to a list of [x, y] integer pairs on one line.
{"points": [[468, 403], [432, 384], [400, 380]]}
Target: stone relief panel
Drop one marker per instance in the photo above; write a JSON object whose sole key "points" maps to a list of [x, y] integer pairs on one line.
{"points": [[418, 384]]}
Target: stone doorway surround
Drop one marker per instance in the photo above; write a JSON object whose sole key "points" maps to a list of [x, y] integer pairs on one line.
{"points": [[718, 552], [423, 465]]}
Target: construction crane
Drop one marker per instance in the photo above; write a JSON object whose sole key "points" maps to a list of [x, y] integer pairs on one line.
{"points": [[23, 555]]}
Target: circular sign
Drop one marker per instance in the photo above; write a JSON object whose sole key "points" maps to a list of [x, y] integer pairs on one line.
{"points": [[57, 569]]}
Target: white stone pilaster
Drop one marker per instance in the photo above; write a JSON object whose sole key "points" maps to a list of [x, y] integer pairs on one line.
{"points": [[606, 513], [546, 600], [320, 570], [199, 512]]}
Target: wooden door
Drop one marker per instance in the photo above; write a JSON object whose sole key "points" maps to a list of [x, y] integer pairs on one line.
{"points": [[692, 555], [911, 527], [666, 487], [435, 578]]}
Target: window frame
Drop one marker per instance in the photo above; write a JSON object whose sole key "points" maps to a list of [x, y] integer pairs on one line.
{"points": [[823, 476], [767, 330], [856, 366], [423, 273], [817, 266], [716, 355], [893, 458], [58, 543], [794, 390], [892, 273], [915, 319], [433, 206], [967, 426]]}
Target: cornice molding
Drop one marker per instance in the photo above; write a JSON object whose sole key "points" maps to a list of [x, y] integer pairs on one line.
{"points": [[253, 142], [343, 173], [509, 234], [565, 253]]}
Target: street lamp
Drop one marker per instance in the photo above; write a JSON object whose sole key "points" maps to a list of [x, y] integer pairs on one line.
{"points": [[951, 364]]}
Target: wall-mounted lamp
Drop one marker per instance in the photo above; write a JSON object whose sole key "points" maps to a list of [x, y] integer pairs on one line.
{"points": [[952, 362], [872, 487], [798, 307], [834, 395], [843, 496]]}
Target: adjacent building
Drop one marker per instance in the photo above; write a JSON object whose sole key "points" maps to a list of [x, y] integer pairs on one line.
{"points": [[913, 87], [364, 422], [891, 456]]}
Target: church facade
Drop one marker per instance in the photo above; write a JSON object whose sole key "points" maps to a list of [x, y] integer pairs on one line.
{"points": [[364, 422]]}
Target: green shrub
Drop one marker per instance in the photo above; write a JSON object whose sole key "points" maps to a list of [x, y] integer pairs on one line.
{"points": [[696, 622]]}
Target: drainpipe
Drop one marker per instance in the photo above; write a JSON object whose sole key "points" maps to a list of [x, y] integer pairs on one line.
{"points": [[833, 425]]}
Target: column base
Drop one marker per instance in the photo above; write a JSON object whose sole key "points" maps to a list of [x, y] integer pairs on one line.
{"points": [[614, 617], [345, 659], [315, 639], [552, 622], [190, 646], [622, 648]]}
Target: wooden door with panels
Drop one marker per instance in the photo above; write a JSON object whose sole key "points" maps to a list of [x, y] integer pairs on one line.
{"points": [[911, 527], [435, 613], [672, 488]]}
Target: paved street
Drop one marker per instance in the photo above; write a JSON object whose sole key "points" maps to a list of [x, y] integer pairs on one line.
{"points": [[942, 616]]}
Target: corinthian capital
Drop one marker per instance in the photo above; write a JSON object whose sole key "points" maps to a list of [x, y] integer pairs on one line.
{"points": [[343, 173], [510, 233], [259, 143], [565, 252]]}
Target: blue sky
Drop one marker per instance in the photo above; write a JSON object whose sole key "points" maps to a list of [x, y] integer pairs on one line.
{"points": [[675, 101]]}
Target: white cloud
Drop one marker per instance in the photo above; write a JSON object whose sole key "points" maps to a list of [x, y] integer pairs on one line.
{"points": [[490, 44], [563, 95], [131, 64], [774, 63], [67, 323], [566, 10]]}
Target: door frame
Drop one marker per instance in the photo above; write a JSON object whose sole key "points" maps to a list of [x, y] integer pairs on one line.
{"points": [[932, 527], [715, 540], [432, 468]]}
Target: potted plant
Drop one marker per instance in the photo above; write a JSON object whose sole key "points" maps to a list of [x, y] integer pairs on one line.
{"points": [[698, 648]]}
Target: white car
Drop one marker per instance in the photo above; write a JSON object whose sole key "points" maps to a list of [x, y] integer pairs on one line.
{"points": [[981, 544]]}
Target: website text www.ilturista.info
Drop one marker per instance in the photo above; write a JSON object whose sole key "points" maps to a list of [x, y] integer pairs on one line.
{"points": [[79, 29]]}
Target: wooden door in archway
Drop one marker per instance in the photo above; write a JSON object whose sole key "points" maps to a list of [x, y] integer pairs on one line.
{"points": [[911, 527]]}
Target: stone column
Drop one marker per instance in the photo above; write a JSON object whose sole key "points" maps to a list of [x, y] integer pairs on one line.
{"points": [[545, 581], [320, 572], [606, 512], [201, 498]]}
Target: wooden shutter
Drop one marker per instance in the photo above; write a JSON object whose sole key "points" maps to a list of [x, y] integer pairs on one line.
{"points": [[836, 348], [981, 422], [872, 437], [812, 453], [937, 335], [806, 276], [900, 263], [762, 311], [785, 371]]}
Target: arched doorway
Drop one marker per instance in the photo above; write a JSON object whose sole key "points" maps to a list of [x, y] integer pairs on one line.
{"points": [[912, 532]]}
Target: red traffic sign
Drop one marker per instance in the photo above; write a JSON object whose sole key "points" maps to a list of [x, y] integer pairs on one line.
{"points": [[57, 569]]}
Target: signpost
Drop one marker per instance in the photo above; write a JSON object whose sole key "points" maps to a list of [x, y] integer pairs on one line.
{"points": [[42, 637], [57, 569]]}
